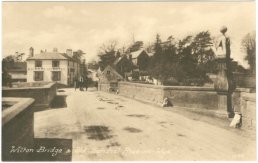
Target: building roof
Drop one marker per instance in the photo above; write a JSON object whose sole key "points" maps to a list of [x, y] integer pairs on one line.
{"points": [[150, 54], [52, 56], [48, 55], [117, 60], [109, 68], [15, 67], [137, 53], [92, 70], [70, 58]]}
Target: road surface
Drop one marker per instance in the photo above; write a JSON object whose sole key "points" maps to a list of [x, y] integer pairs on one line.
{"points": [[109, 127]]}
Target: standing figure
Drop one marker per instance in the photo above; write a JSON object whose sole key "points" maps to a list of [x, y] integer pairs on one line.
{"points": [[81, 80], [75, 82], [86, 83], [224, 84], [96, 84]]}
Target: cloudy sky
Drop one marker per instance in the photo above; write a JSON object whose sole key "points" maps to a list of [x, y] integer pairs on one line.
{"points": [[87, 25]]}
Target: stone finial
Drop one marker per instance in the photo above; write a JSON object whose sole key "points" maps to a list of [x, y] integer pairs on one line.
{"points": [[223, 29]]}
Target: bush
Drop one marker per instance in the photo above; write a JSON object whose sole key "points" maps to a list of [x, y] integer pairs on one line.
{"points": [[171, 82]]}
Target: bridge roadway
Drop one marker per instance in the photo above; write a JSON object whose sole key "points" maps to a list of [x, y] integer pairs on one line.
{"points": [[109, 127]]}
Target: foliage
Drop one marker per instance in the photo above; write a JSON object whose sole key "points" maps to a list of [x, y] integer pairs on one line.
{"points": [[201, 47], [84, 69], [106, 59], [78, 55], [185, 61], [8, 59], [135, 47], [182, 62], [93, 65], [6, 77], [107, 54], [249, 46]]}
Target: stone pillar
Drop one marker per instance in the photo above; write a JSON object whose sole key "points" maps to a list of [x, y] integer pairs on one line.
{"points": [[224, 82], [221, 85]]}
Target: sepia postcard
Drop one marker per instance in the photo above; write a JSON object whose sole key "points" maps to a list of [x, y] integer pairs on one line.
{"points": [[128, 81]]}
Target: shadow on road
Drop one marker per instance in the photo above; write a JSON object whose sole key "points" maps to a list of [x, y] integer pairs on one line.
{"points": [[132, 130], [98, 132], [59, 102], [138, 116]]}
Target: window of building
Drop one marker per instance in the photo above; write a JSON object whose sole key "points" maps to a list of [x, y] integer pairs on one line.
{"points": [[38, 63], [55, 63], [38, 75], [56, 75], [108, 72]]}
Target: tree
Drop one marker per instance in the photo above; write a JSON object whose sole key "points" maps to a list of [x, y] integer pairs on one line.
{"points": [[6, 77], [201, 46], [136, 46], [187, 61], [163, 64], [8, 59], [191, 73], [155, 60], [249, 46], [186, 58], [78, 55], [84, 69], [107, 54], [108, 47], [93, 65], [203, 56]]}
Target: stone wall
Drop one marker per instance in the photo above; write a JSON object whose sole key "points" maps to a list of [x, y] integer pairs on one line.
{"points": [[17, 129], [42, 95], [199, 97], [143, 92], [108, 86], [191, 98], [248, 109], [245, 80]]}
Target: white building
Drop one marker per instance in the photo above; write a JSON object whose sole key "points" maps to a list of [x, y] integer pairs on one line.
{"points": [[53, 66], [92, 74]]}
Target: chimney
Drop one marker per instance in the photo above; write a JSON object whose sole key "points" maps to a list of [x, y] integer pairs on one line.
{"points": [[55, 50], [31, 53], [69, 52]]}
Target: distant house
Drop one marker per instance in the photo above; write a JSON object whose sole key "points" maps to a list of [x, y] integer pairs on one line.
{"points": [[109, 74], [92, 74], [17, 70], [108, 79], [140, 58], [53, 66], [123, 65]]}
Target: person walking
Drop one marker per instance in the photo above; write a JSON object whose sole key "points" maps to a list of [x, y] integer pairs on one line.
{"points": [[81, 83], [86, 83], [75, 82]]}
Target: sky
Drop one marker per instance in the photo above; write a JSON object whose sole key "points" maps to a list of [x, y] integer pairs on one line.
{"points": [[88, 25]]}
